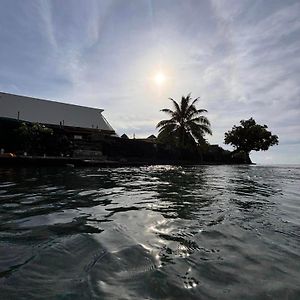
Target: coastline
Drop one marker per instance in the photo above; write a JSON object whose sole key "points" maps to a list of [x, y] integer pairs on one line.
{"points": [[40, 161]]}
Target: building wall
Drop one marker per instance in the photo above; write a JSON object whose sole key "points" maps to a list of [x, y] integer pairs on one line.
{"points": [[51, 112]]}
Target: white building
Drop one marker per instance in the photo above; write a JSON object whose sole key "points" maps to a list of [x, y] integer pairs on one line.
{"points": [[53, 113]]}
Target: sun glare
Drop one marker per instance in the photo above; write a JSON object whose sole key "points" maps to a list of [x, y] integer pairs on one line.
{"points": [[160, 78]]}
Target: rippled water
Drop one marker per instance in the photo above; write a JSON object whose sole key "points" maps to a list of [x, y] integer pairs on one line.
{"points": [[161, 232]]}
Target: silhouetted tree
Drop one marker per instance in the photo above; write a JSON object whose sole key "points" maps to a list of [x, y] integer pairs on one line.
{"points": [[186, 126], [250, 136]]}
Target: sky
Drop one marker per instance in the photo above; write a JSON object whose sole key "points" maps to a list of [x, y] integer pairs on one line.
{"points": [[242, 58]]}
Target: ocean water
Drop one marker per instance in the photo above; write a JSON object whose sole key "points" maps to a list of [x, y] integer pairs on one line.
{"points": [[158, 232]]}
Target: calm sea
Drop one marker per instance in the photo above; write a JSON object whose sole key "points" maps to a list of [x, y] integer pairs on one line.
{"points": [[160, 232]]}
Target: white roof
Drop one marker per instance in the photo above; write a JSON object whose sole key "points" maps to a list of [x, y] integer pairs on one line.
{"points": [[51, 112]]}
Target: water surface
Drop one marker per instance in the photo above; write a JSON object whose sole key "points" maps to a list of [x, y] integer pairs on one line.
{"points": [[160, 232]]}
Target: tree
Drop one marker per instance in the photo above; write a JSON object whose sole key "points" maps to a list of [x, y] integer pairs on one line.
{"points": [[250, 136], [186, 126], [34, 137]]}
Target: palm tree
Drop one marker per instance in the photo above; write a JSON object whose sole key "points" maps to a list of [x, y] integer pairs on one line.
{"points": [[186, 125]]}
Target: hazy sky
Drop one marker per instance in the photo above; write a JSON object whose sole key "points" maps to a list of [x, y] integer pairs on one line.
{"points": [[241, 57]]}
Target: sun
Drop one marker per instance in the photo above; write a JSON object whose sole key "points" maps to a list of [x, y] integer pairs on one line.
{"points": [[159, 78]]}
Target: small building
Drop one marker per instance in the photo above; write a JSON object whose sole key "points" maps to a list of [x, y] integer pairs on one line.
{"points": [[74, 118], [151, 137], [124, 136]]}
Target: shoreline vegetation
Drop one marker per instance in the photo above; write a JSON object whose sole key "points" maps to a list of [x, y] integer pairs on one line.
{"points": [[181, 141]]}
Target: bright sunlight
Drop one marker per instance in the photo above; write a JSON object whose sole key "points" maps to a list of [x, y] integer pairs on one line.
{"points": [[159, 78]]}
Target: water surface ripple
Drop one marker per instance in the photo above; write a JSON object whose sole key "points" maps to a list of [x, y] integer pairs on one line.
{"points": [[158, 232]]}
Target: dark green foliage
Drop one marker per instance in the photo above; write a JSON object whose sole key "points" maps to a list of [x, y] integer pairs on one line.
{"points": [[33, 137], [250, 136], [37, 139], [186, 126]]}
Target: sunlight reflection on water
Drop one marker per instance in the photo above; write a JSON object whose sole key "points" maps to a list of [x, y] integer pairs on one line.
{"points": [[150, 233]]}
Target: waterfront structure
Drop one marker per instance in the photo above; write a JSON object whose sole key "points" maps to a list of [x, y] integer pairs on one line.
{"points": [[72, 117]]}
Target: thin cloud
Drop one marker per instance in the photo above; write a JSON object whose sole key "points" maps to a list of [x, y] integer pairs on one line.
{"points": [[240, 57]]}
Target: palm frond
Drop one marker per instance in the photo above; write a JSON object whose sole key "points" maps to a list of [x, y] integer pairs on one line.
{"points": [[167, 111], [195, 100], [198, 136], [185, 104], [164, 123], [193, 112], [168, 129], [201, 111], [202, 128], [200, 120], [176, 105]]}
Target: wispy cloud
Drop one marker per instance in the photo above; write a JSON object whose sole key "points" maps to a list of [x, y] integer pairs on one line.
{"points": [[47, 23], [241, 57]]}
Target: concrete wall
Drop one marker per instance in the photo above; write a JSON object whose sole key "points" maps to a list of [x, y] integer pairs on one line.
{"points": [[51, 112]]}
